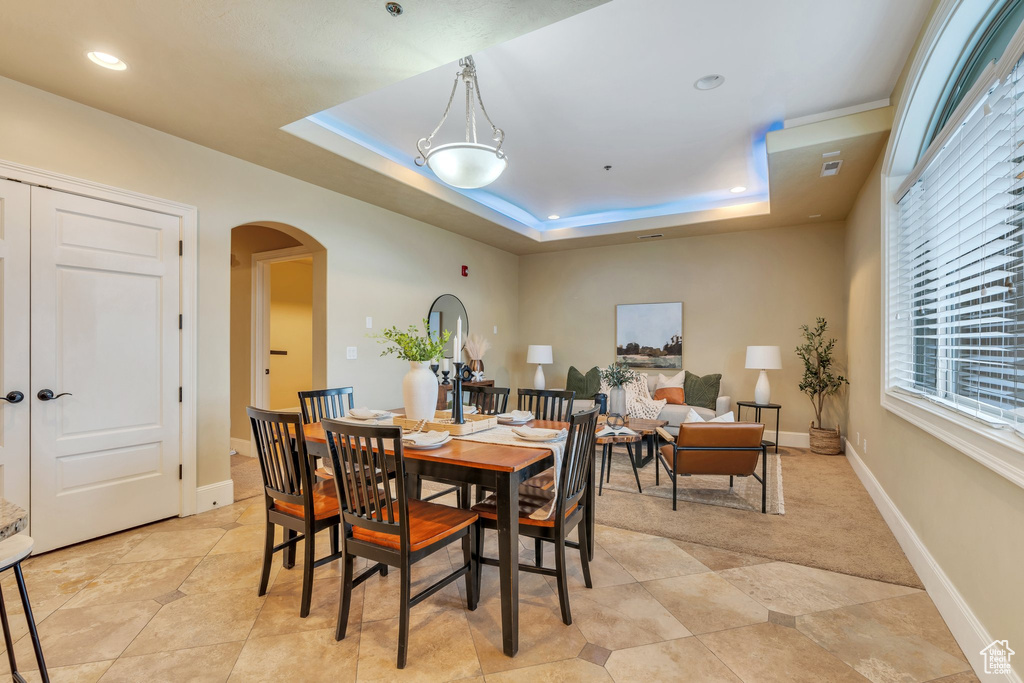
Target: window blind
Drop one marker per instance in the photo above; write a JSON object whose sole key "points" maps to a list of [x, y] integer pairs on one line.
{"points": [[956, 263]]}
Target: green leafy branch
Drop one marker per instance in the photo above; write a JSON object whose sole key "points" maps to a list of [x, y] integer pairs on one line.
{"points": [[411, 345]]}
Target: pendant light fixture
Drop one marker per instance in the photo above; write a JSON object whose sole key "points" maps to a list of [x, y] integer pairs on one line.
{"points": [[470, 164]]}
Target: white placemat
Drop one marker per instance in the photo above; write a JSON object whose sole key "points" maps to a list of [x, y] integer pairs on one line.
{"points": [[503, 435]]}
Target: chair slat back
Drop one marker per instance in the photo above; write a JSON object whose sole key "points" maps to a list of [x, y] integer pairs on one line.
{"points": [[580, 445], [283, 460], [360, 464], [488, 400], [325, 404], [547, 404]]}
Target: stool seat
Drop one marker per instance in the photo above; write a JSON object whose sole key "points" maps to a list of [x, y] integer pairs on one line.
{"points": [[14, 550]]}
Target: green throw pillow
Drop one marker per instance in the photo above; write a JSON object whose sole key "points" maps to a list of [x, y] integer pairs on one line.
{"points": [[586, 386], [702, 391]]}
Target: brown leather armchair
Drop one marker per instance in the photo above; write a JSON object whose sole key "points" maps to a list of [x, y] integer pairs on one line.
{"points": [[726, 448]]}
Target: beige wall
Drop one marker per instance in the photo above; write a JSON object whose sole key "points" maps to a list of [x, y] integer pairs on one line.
{"points": [[246, 241], [291, 330], [379, 263], [968, 517], [737, 289]]}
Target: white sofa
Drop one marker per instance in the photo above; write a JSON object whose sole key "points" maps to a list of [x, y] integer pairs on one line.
{"points": [[672, 413]]}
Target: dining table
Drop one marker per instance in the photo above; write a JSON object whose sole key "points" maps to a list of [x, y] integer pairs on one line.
{"points": [[499, 467]]}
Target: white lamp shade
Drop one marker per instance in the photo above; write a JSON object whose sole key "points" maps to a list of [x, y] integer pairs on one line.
{"points": [[466, 165], [764, 358], [539, 354]]}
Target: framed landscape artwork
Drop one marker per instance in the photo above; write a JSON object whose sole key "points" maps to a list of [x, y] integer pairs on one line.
{"points": [[649, 335]]}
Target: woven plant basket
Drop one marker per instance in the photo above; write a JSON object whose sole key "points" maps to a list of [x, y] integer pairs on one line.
{"points": [[825, 441]]}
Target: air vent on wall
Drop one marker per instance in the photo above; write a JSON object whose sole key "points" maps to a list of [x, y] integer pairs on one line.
{"points": [[649, 237], [831, 168]]}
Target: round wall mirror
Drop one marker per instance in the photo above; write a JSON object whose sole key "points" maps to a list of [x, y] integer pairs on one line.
{"points": [[444, 315]]}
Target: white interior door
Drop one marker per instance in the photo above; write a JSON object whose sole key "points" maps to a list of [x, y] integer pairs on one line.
{"points": [[105, 306], [14, 342]]}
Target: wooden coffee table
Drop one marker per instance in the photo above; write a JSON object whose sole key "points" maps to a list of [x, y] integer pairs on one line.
{"points": [[648, 430]]}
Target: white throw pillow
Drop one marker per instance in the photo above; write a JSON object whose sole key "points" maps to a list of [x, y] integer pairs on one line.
{"points": [[692, 416], [673, 381]]}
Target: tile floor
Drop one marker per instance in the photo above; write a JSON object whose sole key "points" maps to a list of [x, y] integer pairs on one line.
{"points": [[177, 601]]}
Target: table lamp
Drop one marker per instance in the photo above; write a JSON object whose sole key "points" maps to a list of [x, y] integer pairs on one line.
{"points": [[541, 355], [763, 358]]}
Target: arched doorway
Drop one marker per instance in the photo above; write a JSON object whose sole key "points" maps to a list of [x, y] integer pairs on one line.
{"points": [[278, 326]]}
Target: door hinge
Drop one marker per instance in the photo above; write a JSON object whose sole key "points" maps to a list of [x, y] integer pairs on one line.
{"points": [[180, 394], [181, 321], [181, 248], [180, 468]]}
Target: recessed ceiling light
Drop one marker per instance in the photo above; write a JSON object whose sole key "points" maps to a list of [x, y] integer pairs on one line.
{"points": [[738, 189], [554, 217], [815, 215], [393, 8], [709, 82], [107, 61]]}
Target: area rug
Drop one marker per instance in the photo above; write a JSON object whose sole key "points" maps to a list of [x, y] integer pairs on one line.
{"points": [[830, 521], [245, 473], [745, 493]]}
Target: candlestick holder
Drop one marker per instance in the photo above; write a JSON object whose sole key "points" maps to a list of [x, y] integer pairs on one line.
{"points": [[457, 416], [434, 367], [444, 374]]}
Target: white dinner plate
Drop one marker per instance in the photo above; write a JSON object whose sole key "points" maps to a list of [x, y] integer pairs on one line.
{"points": [[428, 447], [541, 437], [510, 421]]}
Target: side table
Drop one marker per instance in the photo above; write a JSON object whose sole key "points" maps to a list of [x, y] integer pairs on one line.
{"points": [[646, 429], [758, 407], [607, 443]]}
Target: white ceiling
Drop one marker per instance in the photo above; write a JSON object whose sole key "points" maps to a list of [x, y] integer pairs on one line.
{"points": [[614, 85]]}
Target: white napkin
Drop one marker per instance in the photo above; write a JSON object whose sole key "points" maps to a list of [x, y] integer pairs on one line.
{"points": [[424, 438], [367, 414], [469, 410], [535, 433], [517, 415]]}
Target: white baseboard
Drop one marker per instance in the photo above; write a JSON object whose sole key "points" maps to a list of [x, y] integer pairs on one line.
{"points": [[968, 631], [215, 495], [790, 439], [241, 446]]}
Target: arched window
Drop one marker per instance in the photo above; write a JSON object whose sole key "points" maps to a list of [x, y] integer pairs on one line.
{"points": [[954, 231]]}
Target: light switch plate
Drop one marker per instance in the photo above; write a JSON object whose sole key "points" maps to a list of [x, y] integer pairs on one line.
{"points": [[495, 329], [350, 353], [369, 322]]}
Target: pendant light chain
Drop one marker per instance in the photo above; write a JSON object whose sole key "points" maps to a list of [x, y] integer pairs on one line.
{"points": [[468, 75]]}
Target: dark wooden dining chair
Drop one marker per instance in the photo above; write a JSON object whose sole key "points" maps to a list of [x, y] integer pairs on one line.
{"points": [[547, 404], [320, 404], [488, 400], [391, 529], [568, 502], [293, 501]]}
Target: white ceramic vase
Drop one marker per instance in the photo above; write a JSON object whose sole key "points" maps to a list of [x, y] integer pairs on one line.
{"points": [[617, 401], [419, 391]]}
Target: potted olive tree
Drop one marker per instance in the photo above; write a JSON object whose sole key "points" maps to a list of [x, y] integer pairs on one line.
{"points": [[419, 386], [820, 382]]}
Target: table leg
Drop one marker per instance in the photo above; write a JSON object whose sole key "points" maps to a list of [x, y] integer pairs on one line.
{"points": [[651, 439], [588, 512], [508, 559], [778, 419]]}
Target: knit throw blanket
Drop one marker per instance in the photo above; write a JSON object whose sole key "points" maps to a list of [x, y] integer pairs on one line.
{"points": [[639, 403]]}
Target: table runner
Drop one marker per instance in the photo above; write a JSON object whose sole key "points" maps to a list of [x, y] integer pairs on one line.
{"points": [[503, 435]]}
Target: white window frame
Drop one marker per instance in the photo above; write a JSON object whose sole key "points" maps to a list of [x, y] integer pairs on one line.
{"points": [[954, 21]]}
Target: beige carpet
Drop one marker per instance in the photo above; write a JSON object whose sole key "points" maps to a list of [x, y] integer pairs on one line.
{"points": [[830, 522], [245, 473], [745, 493]]}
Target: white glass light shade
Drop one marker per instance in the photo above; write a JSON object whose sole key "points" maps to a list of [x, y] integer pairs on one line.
{"points": [[539, 354], [466, 165], [764, 358]]}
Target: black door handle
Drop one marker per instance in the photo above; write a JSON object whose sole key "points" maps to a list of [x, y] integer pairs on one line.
{"points": [[48, 395], [13, 397]]}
